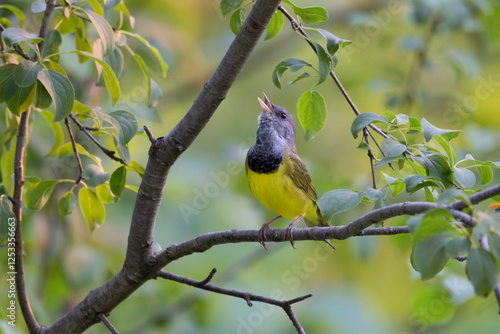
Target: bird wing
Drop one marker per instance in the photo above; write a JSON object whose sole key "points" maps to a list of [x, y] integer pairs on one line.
{"points": [[298, 173]]}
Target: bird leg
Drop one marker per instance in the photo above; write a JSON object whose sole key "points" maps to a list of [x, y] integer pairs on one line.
{"points": [[263, 229], [290, 228]]}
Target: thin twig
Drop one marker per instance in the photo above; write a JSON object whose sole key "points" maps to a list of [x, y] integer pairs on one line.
{"points": [[370, 156], [108, 324], [297, 27], [150, 135], [209, 277], [75, 150], [109, 153], [44, 27], [18, 48], [247, 296]]}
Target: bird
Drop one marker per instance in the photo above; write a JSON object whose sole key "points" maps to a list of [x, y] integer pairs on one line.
{"points": [[276, 175]]}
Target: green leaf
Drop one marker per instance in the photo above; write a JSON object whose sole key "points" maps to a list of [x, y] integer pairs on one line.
{"points": [[339, 200], [56, 130], [31, 181], [445, 144], [452, 194], [91, 207], [415, 126], [435, 222], [6, 71], [142, 66], [67, 203], [160, 62], [363, 120], [416, 182], [18, 98], [384, 161], [122, 149], [300, 77], [96, 6], [237, 19], [482, 271], [156, 94], [311, 110], [109, 76], [7, 167], [104, 31], [374, 194], [128, 124], [494, 243], [61, 90], [42, 99], [309, 14], [323, 63], [485, 173], [118, 180], [111, 3], [37, 197], [67, 149], [430, 131], [392, 148], [17, 12], [333, 43], [18, 35], [94, 175], [82, 44], [227, 6], [38, 6], [464, 177], [428, 256], [135, 167], [396, 185], [292, 64], [53, 41], [115, 61], [26, 73], [275, 25], [457, 247], [104, 194]]}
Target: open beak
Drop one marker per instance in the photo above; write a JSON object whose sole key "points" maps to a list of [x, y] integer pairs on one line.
{"points": [[266, 105]]}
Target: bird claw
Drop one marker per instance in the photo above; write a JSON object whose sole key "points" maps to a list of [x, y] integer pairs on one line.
{"points": [[289, 236], [262, 235]]}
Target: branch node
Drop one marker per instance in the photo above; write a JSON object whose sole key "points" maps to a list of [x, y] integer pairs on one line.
{"points": [[108, 324], [152, 138], [248, 300], [209, 277]]}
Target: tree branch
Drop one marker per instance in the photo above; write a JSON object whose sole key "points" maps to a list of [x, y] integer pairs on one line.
{"points": [[75, 150], [45, 23], [140, 261], [108, 324], [17, 48], [17, 198], [247, 296], [85, 129], [357, 227]]}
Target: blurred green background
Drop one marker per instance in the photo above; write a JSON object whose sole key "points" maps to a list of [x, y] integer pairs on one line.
{"points": [[367, 285]]}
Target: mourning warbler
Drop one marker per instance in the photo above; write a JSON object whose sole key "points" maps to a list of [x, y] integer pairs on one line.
{"points": [[276, 175]]}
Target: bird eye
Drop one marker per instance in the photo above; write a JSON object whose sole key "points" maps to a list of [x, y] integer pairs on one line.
{"points": [[283, 115]]}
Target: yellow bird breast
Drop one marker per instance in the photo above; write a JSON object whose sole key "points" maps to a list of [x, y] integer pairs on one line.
{"points": [[277, 192]]}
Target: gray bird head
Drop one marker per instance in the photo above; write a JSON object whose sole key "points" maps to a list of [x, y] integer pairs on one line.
{"points": [[275, 123]]}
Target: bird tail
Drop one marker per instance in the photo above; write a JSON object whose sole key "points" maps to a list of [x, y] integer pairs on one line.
{"points": [[317, 219]]}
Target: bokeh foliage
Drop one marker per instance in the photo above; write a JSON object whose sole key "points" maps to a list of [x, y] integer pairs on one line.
{"points": [[431, 63]]}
